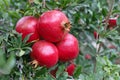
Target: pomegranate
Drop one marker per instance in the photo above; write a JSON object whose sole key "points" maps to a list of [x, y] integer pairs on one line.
{"points": [[87, 56], [112, 22], [53, 25], [96, 36], [44, 53], [68, 48], [27, 25], [70, 69]]}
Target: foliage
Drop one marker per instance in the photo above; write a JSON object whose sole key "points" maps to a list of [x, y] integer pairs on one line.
{"points": [[86, 16]]}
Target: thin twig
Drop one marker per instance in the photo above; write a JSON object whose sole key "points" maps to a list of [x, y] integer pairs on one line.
{"points": [[110, 4], [44, 3]]}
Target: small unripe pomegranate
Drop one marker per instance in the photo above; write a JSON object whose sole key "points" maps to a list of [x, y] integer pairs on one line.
{"points": [[27, 25], [53, 25], [112, 22], [96, 35], [68, 48], [70, 69], [87, 56], [44, 53]]}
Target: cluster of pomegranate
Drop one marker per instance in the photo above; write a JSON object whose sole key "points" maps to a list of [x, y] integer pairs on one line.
{"points": [[51, 37]]}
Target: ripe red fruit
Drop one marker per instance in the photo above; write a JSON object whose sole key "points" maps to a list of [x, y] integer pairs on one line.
{"points": [[45, 53], [27, 25], [96, 36], [68, 48], [70, 69], [112, 22], [87, 56], [53, 25]]}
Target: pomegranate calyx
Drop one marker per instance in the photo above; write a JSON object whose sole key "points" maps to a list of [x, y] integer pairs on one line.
{"points": [[34, 63], [66, 26]]}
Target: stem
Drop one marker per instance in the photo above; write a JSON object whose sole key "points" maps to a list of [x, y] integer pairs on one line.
{"points": [[44, 3], [110, 4]]}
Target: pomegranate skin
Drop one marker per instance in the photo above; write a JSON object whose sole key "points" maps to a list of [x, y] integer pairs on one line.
{"points": [[96, 35], [27, 25], [68, 48], [70, 69], [45, 53], [53, 25], [112, 22]]}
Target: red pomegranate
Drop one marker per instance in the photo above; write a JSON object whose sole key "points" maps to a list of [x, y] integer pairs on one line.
{"points": [[96, 35], [68, 48], [27, 25], [87, 56], [44, 53], [70, 69], [112, 22], [53, 25]]}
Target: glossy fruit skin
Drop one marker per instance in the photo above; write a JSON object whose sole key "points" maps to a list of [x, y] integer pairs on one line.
{"points": [[87, 56], [45, 53], [27, 25], [68, 48], [70, 69], [51, 25]]}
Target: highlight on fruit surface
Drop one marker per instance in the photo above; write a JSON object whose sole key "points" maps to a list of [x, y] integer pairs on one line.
{"points": [[44, 53], [68, 48], [27, 26], [53, 25]]}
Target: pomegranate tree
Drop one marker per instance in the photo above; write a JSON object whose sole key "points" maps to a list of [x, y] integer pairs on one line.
{"points": [[53, 25]]}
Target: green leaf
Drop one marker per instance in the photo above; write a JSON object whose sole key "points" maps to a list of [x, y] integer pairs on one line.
{"points": [[9, 65], [21, 53], [40, 72], [6, 2], [60, 70], [10, 62], [2, 58], [27, 38], [118, 21], [77, 72]]}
